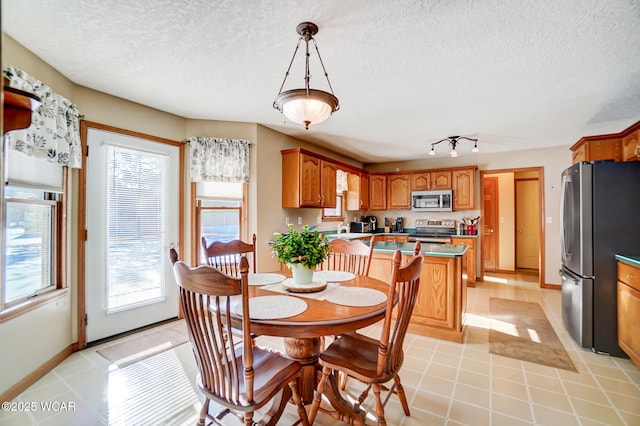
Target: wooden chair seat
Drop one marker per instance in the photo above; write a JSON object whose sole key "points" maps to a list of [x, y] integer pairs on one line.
{"points": [[357, 356], [271, 369]]}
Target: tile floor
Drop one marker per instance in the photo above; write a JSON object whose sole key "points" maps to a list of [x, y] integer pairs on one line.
{"points": [[446, 383]]}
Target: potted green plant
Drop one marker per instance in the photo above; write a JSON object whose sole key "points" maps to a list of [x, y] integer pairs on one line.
{"points": [[301, 252]]}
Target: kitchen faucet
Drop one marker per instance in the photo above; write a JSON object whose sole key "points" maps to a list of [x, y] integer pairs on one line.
{"points": [[342, 226]]}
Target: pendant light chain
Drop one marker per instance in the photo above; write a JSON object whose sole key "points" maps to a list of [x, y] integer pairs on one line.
{"points": [[326, 74], [286, 74]]}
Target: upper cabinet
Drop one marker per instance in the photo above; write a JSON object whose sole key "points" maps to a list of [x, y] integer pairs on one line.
{"points": [[307, 180], [593, 148], [377, 191], [328, 183], [623, 146], [431, 179], [631, 143], [358, 192], [464, 188], [399, 191]]}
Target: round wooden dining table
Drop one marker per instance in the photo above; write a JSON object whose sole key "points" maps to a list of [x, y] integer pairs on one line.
{"points": [[302, 333]]}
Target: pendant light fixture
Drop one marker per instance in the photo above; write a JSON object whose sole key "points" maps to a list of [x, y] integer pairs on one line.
{"points": [[453, 142], [306, 106]]}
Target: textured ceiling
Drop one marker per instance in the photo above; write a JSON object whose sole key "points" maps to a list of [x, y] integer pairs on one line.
{"points": [[515, 74]]}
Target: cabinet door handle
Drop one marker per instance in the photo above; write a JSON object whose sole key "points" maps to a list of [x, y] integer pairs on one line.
{"points": [[637, 151], [629, 276]]}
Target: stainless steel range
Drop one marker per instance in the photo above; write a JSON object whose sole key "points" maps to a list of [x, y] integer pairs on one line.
{"points": [[435, 231]]}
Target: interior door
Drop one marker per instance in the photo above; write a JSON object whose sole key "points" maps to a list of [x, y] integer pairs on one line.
{"points": [[132, 218], [527, 224], [490, 223]]}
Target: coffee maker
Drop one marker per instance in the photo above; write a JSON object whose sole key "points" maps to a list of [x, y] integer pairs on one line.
{"points": [[370, 223], [397, 225]]}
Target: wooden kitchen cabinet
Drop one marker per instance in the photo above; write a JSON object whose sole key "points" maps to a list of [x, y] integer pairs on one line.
{"points": [[464, 188], [358, 192], [431, 180], [442, 298], [603, 147], [623, 146], [307, 181], [328, 183], [377, 191], [399, 191], [469, 258], [629, 310], [631, 144]]}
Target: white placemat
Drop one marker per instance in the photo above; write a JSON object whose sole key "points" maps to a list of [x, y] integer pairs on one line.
{"points": [[333, 276], [264, 278], [274, 307], [356, 296]]}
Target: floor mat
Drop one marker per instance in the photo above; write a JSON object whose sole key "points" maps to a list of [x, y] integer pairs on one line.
{"points": [[521, 330]]}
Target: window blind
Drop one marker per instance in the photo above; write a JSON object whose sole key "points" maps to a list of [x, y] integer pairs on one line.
{"points": [[32, 172], [219, 190], [136, 193]]}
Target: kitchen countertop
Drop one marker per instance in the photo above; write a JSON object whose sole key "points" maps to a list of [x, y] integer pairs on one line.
{"points": [[631, 260], [349, 235], [434, 250], [465, 236]]}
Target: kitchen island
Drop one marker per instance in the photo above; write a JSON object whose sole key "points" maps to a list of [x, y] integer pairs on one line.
{"points": [[442, 299]]}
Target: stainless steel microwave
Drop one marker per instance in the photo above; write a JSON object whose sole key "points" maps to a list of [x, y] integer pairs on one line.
{"points": [[432, 201]]}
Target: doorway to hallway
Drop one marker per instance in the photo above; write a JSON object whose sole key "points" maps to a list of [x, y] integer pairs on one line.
{"points": [[512, 213]]}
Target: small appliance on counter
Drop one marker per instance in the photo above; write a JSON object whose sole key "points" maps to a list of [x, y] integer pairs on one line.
{"points": [[358, 227], [371, 222], [397, 225]]}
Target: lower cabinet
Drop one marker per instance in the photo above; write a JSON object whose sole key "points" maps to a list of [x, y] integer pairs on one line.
{"points": [[469, 258], [442, 298], [629, 310]]}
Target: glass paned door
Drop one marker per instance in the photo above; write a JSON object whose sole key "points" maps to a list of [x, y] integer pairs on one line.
{"points": [[132, 219]]}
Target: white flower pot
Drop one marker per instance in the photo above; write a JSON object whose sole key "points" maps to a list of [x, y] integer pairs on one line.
{"points": [[301, 274]]}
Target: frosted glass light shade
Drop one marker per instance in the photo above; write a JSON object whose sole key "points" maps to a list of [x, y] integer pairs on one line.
{"points": [[303, 108]]}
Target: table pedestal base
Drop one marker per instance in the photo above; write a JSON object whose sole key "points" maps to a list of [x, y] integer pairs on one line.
{"points": [[306, 351]]}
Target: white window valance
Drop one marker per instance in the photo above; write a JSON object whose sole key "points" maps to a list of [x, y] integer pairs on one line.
{"points": [[219, 160], [54, 133], [341, 181]]}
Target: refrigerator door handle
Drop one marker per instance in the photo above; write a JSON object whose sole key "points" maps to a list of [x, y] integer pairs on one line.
{"points": [[566, 249]]}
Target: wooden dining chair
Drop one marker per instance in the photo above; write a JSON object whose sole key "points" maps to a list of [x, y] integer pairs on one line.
{"points": [[225, 256], [350, 256], [375, 361], [235, 375]]}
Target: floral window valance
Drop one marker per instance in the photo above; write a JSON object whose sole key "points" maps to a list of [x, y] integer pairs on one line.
{"points": [[54, 133], [219, 160]]}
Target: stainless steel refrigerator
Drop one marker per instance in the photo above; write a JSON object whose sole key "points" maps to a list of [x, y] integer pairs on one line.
{"points": [[599, 218]]}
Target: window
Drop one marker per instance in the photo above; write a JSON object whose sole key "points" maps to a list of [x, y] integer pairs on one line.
{"points": [[337, 213], [136, 215], [30, 244], [218, 212]]}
